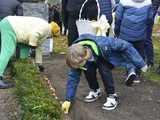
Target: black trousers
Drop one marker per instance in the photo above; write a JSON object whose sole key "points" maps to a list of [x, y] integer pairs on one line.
{"points": [[139, 46], [105, 73]]}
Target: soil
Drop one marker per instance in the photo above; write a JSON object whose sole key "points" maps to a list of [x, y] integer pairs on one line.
{"points": [[9, 108], [141, 102]]}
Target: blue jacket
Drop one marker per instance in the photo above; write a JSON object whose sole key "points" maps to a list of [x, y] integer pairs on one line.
{"points": [[116, 51], [131, 23]]}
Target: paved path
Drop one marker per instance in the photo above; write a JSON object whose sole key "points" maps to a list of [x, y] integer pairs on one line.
{"points": [[140, 102], [9, 109]]}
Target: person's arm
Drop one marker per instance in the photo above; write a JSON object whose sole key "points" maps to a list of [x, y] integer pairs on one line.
{"points": [[36, 37], [72, 83], [39, 34], [38, 55], [151, 15], [118, 18], [114, 3], [64, 13], [127, 50], [156, 3], [71, 88]]}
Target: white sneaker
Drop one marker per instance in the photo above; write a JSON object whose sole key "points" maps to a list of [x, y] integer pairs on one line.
{"points": [[130, 78], [144, 68], [111, 102], [137, 80], [93, 96]]}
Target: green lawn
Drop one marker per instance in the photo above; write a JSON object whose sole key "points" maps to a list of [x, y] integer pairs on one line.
{"points": [[151, 74]]}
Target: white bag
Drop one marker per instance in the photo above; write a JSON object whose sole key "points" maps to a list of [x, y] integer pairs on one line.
{"points": [[85, 26]]}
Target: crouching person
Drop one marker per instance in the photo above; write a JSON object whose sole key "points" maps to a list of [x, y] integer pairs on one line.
{"points": [[30, 31], [106, 53]]}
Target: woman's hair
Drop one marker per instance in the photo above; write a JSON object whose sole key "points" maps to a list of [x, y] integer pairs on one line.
{"points": [[75, 55]]}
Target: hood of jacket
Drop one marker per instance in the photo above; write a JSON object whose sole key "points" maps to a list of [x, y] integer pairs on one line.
{"points": [[86, 37], [136, 3]]}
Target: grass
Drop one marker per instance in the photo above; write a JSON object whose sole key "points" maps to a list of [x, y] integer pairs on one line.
{"points": [[35, 99], [151, 74], [60, 44]]}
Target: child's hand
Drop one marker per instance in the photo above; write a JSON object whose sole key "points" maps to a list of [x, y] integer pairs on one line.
{"points": [[65, 106]]}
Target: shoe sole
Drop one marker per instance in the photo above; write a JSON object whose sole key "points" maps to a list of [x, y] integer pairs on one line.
{"points": [[130, 80], [112, 108], [6, 87], [136, 82], [92, 100]]}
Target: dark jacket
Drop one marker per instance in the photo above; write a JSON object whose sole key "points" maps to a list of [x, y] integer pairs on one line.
{"points": [[116, 51], [10, 7], [156, 3], [75, 5]]}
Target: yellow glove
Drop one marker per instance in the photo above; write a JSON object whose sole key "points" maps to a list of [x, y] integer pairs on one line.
{"points": [[55, 29], [65, 106]]}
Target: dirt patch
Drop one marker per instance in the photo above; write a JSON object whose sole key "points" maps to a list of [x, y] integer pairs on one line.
{"points": [[9, 110], [140, 102]]}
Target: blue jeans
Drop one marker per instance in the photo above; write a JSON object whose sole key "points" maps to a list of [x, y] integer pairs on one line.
{"points": [[74, 79]]}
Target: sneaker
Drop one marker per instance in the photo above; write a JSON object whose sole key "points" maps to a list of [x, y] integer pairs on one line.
{"points": [[144, 68], [4, 84], [111, 102], [137, 80], [158, 70], [131, 77], [93, 96]]}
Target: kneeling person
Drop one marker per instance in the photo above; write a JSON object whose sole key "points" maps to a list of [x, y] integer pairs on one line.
{"points": [[30, 31]]}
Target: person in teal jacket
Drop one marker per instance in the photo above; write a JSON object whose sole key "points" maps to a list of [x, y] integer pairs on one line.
{"points": [[29, 31]]}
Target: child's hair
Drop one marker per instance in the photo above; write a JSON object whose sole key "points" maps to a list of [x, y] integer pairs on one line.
{"points": [[75, 55]]}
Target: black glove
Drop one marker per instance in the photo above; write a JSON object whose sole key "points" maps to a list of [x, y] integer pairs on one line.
{"points": [[41, 68], [33, 53]]}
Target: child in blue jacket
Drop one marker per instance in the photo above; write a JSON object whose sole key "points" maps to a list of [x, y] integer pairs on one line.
{"points": [[131, 21], [106, 53]]}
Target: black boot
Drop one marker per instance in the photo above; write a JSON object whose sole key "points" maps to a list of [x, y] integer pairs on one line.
{"points": [[4, 85]]}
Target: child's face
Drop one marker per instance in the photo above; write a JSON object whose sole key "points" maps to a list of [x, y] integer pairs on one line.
{"points": [[79, 64], [81, 61]]}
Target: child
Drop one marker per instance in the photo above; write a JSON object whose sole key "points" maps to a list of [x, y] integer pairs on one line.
{"points": [[132, 18], [30, 31], [106, 53]]}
